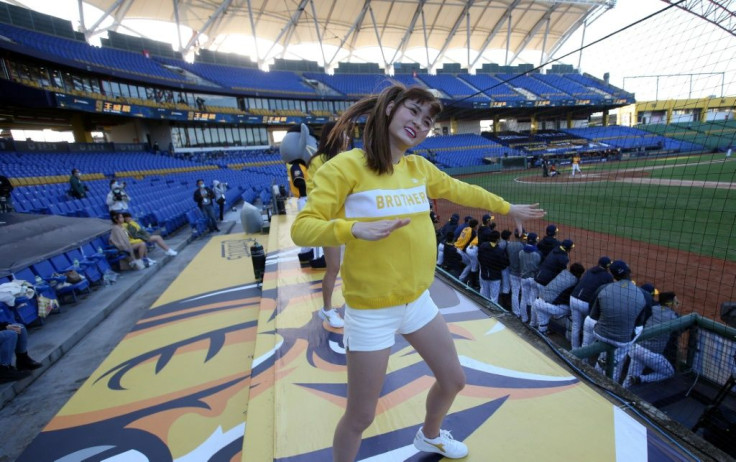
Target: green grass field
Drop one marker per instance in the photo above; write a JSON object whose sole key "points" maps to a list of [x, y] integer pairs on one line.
{"points": [[696, 219]]}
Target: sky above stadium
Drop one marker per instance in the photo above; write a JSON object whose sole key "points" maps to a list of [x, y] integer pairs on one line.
{"points": [[691, 57]]}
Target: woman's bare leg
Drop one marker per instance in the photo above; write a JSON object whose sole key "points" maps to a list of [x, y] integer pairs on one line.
{"points": [[434, 344], [159, 241], [366, 371]]}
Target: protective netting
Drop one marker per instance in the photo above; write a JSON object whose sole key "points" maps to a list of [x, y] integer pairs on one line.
{"points": [[656, 189]]}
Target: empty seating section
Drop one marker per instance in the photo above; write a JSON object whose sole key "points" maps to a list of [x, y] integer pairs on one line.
{"points": [[632, 139], [712, 135], [25, 164], [598, 84], [539, 88], [161, 200], [408, 80], [357, 85], [568, 86], [493, 87], [83, 54], [453, 87], [544, 142], [244, 79], [463, 150]]}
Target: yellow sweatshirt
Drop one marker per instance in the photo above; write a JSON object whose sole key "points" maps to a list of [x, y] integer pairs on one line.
{"points": [[397, 269], [314, 165]]}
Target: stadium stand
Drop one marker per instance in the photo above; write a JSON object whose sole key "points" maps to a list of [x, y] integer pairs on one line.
{"points": [[84, 55], [493, 87], [455, 88], [718, 135], [632, 139], [352, 85], [537, 87]]}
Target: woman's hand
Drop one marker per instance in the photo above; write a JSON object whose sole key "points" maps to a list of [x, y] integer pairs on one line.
{"points": [[522, 212], [375, 230]]}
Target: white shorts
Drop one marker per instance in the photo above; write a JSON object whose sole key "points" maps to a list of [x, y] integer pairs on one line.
{"points": [[375, 329]]}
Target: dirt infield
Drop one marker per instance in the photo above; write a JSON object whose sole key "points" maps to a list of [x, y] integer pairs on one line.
{"points": [[701, 283]]}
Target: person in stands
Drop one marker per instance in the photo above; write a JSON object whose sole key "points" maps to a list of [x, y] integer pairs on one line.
{"points": [[136, 231]]}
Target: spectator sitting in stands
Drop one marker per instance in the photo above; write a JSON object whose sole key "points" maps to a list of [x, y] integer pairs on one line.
{"points": [[77, 189], [117, 198], [204, 197], [554, 298], [137, 250], [14, 338], [6, 202], [136, 232], [650, 353]]}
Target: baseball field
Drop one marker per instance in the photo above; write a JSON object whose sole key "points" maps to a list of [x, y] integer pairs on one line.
{"points": [[671, 219]]}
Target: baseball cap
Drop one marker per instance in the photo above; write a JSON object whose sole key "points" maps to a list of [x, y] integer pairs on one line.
{"points": [[567, 245], [468, 218], [650, 289], [551, 230], [619, 268], [455, 217], [604, 262], [531, 238], [487, 218]]}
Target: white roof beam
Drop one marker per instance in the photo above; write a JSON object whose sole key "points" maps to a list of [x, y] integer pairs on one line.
{"points": [[378, 39], [409, 30], [451, 35], [175, 4], [569, 33], [219, 12], [80, 5], [351, 31], [287, 28], [290, 32], [316, 28], [92, 31], [530, 35], [495, 30], [544, 42]]}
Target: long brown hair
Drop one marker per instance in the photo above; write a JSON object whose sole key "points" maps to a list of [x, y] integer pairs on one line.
{"points": [[375, 134], [329, 147]]}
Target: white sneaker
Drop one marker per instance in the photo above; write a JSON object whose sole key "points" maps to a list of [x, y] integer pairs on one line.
{"points": [[332, 317], [444, 444], [150, 262], [172, 252]]}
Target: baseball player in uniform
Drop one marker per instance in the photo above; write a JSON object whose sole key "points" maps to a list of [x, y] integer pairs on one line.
{"points": [[576, 165]]}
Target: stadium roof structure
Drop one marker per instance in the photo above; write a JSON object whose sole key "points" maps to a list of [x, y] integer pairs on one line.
{"points": [[340, 29]]}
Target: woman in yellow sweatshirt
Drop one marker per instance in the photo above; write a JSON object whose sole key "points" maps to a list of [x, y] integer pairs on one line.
{"points": [[376, 202]]}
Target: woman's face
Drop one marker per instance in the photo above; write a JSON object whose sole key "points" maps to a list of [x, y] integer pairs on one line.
{"points": [[119, 218], [410, 125]]}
